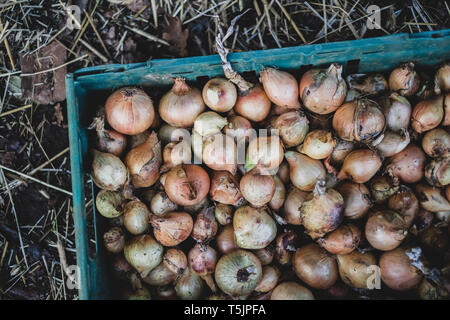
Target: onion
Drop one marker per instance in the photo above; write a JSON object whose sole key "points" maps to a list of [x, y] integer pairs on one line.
{"points": [[269, 280], [405, 203], [136, 216], [318, 144], [187, 184], [304, 171], [279, 196], [223, 214], [238, 273], [291, 291], [239, 128], [393, 143], [225, 188], [144, 162], [138, 294], [292, 126], [225, 240], [292, 205], [143, 253], [442, 79], [108, 171], [122, 270], [205, 226], [447, 193], [360, 165], [257, 187], [114, 240], [265, 255], [168, 133], [281, 87], [219, 94], [202, 261], [175, 260], [422, 222], [360, 120], [137, 139], [338, 291], [129, 110], [407, 165], [267, 152], [198, 207], [397, 111], [160, 276], [385, 229], [324, 212], [253, 228], [436, 143], [357, 201], [397, 272], [166, 292], [341, 150], [343, 240], [428, 290], [354, 268], [285, 246], [382, 187], [323, 90], [446, 121], [283, 172], [431, 198], [220, 153], [367, 84], [189, 286], [181, 105], [209, 123], [161, 204], [437, 172], [314, 267], [108, 141], [172, 228], [109, 203], [405, 80], [253, 103], [436, 243], [176, 153], [428, 114]]}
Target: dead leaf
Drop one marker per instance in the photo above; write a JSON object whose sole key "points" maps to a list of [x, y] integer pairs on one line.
{"points": [[176, 37], [48, 87], [59, 117], [7, 158]]}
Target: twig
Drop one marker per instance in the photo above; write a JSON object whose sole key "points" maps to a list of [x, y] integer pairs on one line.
{"points": [[15, 110], [148, 36]]}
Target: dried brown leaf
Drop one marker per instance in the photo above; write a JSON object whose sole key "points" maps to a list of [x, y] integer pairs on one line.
{"points": [[176, 37]]}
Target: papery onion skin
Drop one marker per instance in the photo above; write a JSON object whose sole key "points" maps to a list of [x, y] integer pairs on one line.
{"points": [[136, 217], [253, 228], [225, 189], [437, 172], [323, 91], [187, 184], [129, 110], [293, 127], [285, 246], [175, 260], [360, 165], [427, 290], [176, 153], [238, 128], [108, 171], [109, 203], [442, 79], [405, 202], [238, 273], [267, 152], [189, 286], [343, 240], [205, 226], [431, 198], [291, 209], [428, 114], [160, 276], [393, 143], [405, 80], [304, 171], [341, 150], [280, 87], [385, 229], [172, 228], [108, 141], [225, 240], [114, 240], [407, 165], [253, 104], [161, 204], [315, 267], [279, 196], [367, 84], [270, 277], [291, 291], [357, 200], [355, 268], [436, 143], [257, 187], [318, 144], [144, 253], [223, 214], [397, 272], [219, 94], [382, 187], [220, 153], [209, 123], [397, 111]]}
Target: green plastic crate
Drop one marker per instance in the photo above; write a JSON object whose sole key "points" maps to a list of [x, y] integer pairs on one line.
{"points": [[367, 55]]}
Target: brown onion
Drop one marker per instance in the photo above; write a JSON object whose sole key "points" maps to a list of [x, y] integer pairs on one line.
{"points": [[175, 260], [108, 141], [357, 201], [431, 198], [428, 290], [392, 143], [269, 280], [267, 152], [447, 192], [397, 111], [223, 214], [181, 105], [281, 87], [144, 162], [318, 144], [166, 292], [442, 79], [265, 255], [225, 189], [304, 171], [397, 272], [143, 253], [257, 187], [382, 187], [202, 261], [343, 240], [324, 212], [437, 172], [114, 240], [220, 153], [189, 286], [283, 172], [176, 153], [291, 291], [253, 103], [436, 143], [360, 120], [168, 133], [446, 121], [161, 204], [108, 171], [225, 240], [129, 110], [407, 165], [428, 114], [315, 267], [136, 217], [209, 123], [285, 247], [219, 94], [405, 203], [253, 228], [187, 184], [367, 84], [138, 294], [355, 268], [109, 203], [360, 166], [160, 276], [323, 90], [279, 196], [292, 126], [341, 150], [205, 226], [405, 80], [239, 128], [385, 229], [172, 228], [291, 209]]}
